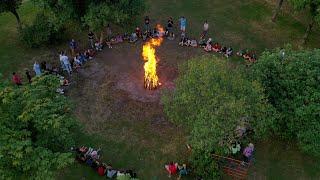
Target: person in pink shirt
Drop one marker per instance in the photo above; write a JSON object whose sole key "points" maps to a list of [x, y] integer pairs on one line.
{"points": [[247, 152], [16, 79]]}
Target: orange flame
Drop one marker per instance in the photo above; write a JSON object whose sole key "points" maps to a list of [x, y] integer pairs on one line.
{"points": [[151, 80]]}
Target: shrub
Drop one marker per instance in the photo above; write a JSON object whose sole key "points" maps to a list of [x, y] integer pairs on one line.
{"points": [[41, 32], [291, 82]]}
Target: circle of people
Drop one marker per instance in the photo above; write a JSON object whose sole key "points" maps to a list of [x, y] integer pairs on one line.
{"points": [[69, 65]]}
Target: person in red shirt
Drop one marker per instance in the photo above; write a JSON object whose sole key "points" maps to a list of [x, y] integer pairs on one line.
{"points": [[172, 168], [16, 79], [101, 170]]}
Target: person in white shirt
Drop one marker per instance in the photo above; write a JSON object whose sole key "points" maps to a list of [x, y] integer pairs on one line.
{"points": [[205, 28]]}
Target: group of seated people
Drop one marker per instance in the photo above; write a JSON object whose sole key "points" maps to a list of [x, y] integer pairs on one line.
{"points": [[247, 55], [176, 169], [209, 46], [91, 157]]}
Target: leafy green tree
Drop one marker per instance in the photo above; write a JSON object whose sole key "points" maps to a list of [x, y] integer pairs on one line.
{"points": [[120, 12], [313, 6], [291, 81], [35, 127], [11, 6], [213, 100]]}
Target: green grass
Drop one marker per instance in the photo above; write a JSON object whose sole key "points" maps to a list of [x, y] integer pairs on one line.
{"points": [[128, 143], [13, 55]]}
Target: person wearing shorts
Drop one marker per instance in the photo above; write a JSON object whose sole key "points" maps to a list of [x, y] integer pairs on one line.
{"points": [[183, 23]]}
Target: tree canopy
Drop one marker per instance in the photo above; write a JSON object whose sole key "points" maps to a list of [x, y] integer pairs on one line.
{"points": [[291, 81], [35, 127], [213, 100]]}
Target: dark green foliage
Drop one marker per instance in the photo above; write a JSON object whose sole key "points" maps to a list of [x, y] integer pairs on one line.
{"points": [[291, 81], [212, 99], [41, 32], [35, 127]]}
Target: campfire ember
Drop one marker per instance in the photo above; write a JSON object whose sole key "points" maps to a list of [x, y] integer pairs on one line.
{"points": [[151, 80]]}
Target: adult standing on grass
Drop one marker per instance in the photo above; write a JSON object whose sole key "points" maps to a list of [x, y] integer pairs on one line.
{"points": [[16, 79], [183, 23], [147, 23], [170, 27], [205, 28], [73, 46], [36, 68], [28, 75], [91, 39], [66, 63]]}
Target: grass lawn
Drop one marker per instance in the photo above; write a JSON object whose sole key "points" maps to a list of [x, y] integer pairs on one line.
{"points": [[136, 135]]}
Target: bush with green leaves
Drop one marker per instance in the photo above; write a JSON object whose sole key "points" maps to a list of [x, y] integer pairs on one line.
{"points": [[36, 127], [212, 100], [41, 32], [292, 84]]}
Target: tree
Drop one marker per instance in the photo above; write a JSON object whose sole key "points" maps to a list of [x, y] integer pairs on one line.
{"points": [[277, 10], [313, 6], [11, 6], [213, 100], [291, 82], [120, 12], [35, 125]]}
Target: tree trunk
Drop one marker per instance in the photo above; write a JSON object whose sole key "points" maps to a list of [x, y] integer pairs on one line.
{"points": [[277, 10], [101, 37], [308, 31], [15, 13]]}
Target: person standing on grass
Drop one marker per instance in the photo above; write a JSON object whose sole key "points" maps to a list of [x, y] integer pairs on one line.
{"points": [[36, 68], [91, 39], [16, 79], [73, 46], [147, 23], [66, 63], [183, 23], [28, 75], [205, 28]]}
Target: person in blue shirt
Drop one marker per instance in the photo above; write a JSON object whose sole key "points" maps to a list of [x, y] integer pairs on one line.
{"points": [[183, 23], [36, 68]]}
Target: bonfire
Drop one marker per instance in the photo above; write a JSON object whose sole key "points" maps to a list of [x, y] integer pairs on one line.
{"points": [[151, 79]]}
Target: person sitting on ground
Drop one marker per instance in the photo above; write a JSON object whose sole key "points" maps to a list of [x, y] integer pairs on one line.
{"points": [[144, 36], [89, 54], [108, 43], [171, 168], [248, 152], [60, 91], [101, 170], [98, 46], [119, 38], [77, 62], [216, 47], [188, 42], [202, 41], [183, 40], [241, 52], [182, 170], [208, 47], [126, 37], [235, 148], [155, 33], [63, 81], [193, 43], [246, 55], [138, 32], [133, 37], [16, 79], [82, 58], [229, 52], [111, 173], [223, 50], [252, 58], [55, 70]]}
